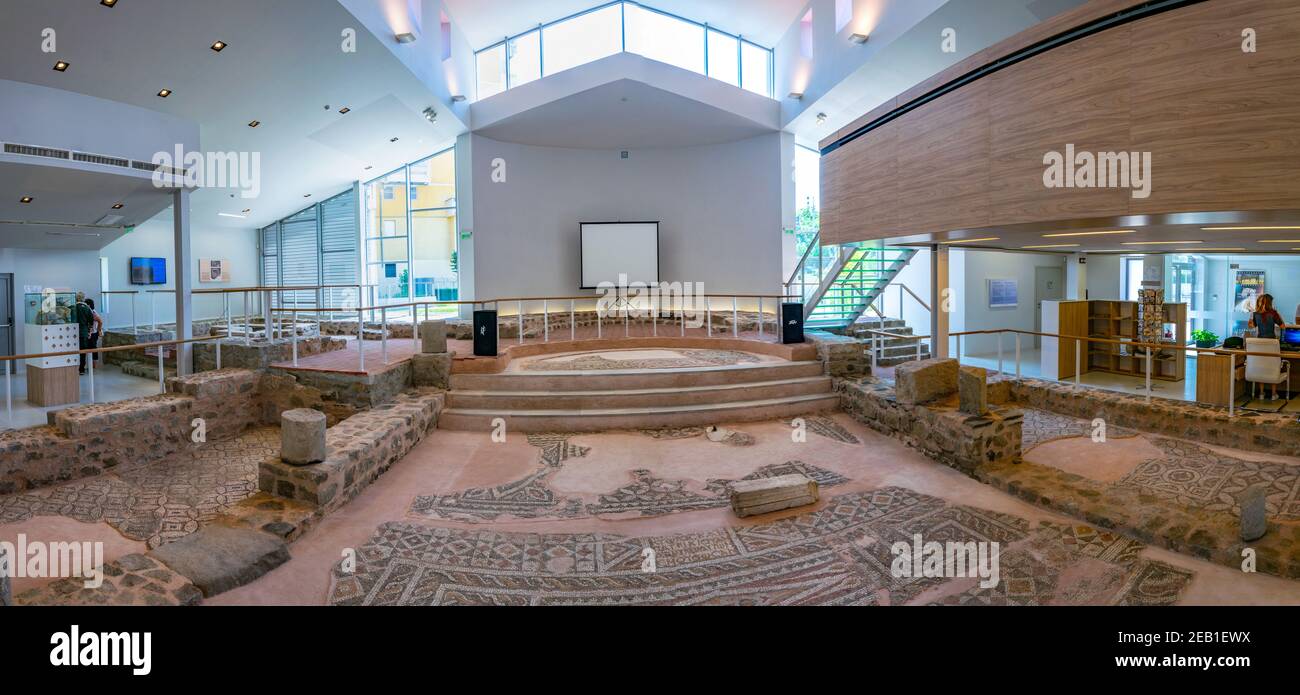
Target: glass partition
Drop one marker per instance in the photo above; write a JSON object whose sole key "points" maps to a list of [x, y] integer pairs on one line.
{"points": [[582, 39], [617, 27]]}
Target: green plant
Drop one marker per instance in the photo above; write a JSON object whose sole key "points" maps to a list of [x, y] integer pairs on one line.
{"points": [[1201, 335]]}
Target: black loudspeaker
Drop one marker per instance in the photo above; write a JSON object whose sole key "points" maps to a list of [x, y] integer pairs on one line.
{"points": [[485, 333], [792, 323]]}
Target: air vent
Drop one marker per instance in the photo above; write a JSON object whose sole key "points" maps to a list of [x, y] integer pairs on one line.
{"points": [[150, 166], [31, 151], [100, 159]]}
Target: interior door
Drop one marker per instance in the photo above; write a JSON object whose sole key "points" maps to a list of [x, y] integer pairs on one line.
{"points": [[1049, 284]]}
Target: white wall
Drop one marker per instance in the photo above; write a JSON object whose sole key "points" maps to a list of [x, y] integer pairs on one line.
{"points": [[979, 267], [155, 239], [720, 209], [1104, 277], [77, 270]]}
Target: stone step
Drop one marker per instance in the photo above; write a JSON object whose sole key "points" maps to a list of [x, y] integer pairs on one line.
{"points": [[636, 418], [900, 359], [619, 380], [637, 398]]}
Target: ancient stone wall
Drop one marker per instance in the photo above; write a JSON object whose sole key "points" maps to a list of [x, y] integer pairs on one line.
{"points": [[938, 429], [358, 450], [844, 357], [260, 354]]}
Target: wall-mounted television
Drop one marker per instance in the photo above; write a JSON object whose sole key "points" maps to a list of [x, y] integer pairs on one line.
{"points": [[148, 271]]}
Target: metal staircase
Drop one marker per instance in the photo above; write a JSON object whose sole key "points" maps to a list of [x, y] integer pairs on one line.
{"points": [[837, 284]]}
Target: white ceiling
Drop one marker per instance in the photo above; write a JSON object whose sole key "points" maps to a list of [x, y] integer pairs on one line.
{"points": [[485, 22], [72, 195], [282, 66]]}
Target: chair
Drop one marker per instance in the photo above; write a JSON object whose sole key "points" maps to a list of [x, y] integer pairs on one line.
{"points": [[1261, 369]]}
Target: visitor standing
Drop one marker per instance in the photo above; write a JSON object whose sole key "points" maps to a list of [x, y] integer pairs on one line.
{"points": [[85, 323], [97, 330]]}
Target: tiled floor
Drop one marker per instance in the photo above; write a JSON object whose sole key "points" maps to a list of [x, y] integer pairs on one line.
{"points": [[567, 518], [110, 385]]}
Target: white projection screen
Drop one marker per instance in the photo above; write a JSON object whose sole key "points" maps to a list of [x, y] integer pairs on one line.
{"points": [[611, 249]]}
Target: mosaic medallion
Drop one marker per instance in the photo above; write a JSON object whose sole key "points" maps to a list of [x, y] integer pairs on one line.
{"points": [[680, 359]]}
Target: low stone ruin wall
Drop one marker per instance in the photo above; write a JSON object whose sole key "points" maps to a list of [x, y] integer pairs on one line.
{"points": [[358, 450], [1269, 433], [844, 357], [261, 354], [926, 412]]}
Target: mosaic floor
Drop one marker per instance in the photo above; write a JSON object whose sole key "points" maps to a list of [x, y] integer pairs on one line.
{"points": [[640, 359], [837, 555], [533, 497], [1178, 471], [156, 503]]}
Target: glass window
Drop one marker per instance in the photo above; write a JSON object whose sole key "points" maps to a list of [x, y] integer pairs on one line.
{"points": [[1132, 278], [724, 58], [584, 38], [435, 263], [433, 182], [666, 39], [806, 35], [756, 64], [491, 71], [525, 58]]}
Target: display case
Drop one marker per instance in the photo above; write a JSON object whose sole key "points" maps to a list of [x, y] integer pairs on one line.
{"points": [[51, 326]]}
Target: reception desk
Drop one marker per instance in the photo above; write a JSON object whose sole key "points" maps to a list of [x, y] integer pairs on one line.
{"points": [[1214, 381]]}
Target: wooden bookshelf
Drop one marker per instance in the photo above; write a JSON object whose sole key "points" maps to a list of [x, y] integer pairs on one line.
{"points": [[1111, 320]]}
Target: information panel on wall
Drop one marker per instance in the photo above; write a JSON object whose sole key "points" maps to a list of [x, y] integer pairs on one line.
{"points": [[611, 250]]}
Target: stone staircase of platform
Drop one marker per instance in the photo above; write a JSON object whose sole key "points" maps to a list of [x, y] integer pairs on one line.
{"points": [[596, 400], [891, 351]]}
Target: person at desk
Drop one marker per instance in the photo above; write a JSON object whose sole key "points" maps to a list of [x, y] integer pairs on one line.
{"points": [[1265, 319]]}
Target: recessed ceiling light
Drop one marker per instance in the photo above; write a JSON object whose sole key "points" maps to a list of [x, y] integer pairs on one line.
{"points": [[164, 93], [1246, 229], [1050, 246], [859, 39], [344, 110], [1160, 243], [1279, 241], [60, 66], [231, 214], [25, 199], [393, 139], [254, 124], [405, 37], [247, 210], [1210, 248], [108, 3], [218, 46], [369, 167], [118, 206], [306, 195], [971, 241], [1113, 231]]}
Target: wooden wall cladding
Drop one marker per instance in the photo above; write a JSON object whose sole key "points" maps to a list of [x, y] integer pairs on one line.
{"points": [[1222, 126]]}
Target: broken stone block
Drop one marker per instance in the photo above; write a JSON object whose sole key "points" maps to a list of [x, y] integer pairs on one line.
{"points": [[431, 370], [973, 390], [219, 558], [433, 337], [1254, 518], [6, 591], [302, 436], [923, 381], [751, 497]]}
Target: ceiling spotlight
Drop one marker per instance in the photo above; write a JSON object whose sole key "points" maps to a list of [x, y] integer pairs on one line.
{"points": [[796, 95], [218, 46], [1050, 246], [254, 124], [405, 37], [108, 3], [25, 199], [393, 139], [61, 66], [306, 195], [821, 118], [1114, 231], [118, 206], [344, 110], [457, 98], [369, 167], [970, 241], [430, 115], [858, 39], [164, 93]]}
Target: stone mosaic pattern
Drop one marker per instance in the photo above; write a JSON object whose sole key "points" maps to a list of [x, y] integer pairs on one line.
{"points": [[646, 495], [1041, 427], [1192, 475], [827, 427], [157, 502], [687, 359], [837, 555], [132, 580]]}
